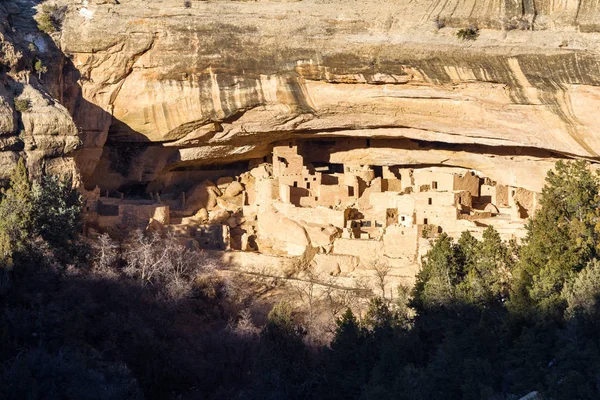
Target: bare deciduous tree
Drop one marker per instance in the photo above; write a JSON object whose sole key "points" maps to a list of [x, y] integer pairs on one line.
{"points": [[382, 270], [105, 253], [156, 260], [364, 293], [145, 256], [310, 292], [244, 326], [339, 300]]}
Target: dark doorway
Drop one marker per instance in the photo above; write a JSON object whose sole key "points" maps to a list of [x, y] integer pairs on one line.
{"points": [[378, 169]]}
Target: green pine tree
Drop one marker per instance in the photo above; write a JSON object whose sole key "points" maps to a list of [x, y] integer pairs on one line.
{"points": [[561, 239], [442, 270], [15, 215], [282, 364], [488, 265], [57, 216], [346, 353]]}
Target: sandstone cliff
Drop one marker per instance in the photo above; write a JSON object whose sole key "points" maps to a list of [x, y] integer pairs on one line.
{"points": [[220, 80], [155, 86], [33, 123]]}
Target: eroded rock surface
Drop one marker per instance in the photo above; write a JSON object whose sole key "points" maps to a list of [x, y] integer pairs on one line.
{"points": [[33, 122], [175, 88]]}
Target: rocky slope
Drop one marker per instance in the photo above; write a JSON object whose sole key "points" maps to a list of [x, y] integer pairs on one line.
{"points": [[33, 123], [157, 86]]}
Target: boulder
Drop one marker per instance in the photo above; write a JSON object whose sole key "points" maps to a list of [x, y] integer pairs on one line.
{"points": [[321, 235], [202, 215], [218, 216], [233, 204], [223, 182], [324, 265], [263, 171], [281, 236], [234, 189], [203, 195]]}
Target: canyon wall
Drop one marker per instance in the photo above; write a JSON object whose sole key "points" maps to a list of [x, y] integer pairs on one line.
{"points": [[33, 123], [176, 88], [157, 88]]}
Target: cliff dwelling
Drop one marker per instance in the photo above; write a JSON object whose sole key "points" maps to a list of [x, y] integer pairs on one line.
{"points": [[329, 203]]}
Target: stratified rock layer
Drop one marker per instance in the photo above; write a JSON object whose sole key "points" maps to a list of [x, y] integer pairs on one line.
{"points": [[172, 87]]}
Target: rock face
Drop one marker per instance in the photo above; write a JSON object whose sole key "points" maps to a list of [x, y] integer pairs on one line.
{"points": [[149, 94], [33, 123], [168, 88]]}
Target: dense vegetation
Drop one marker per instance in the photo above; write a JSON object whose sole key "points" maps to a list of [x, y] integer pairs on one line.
{"points": [[148, 318], [470, 33]]}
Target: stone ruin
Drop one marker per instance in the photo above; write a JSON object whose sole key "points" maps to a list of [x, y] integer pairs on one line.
{"points": [[339, 217]]}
